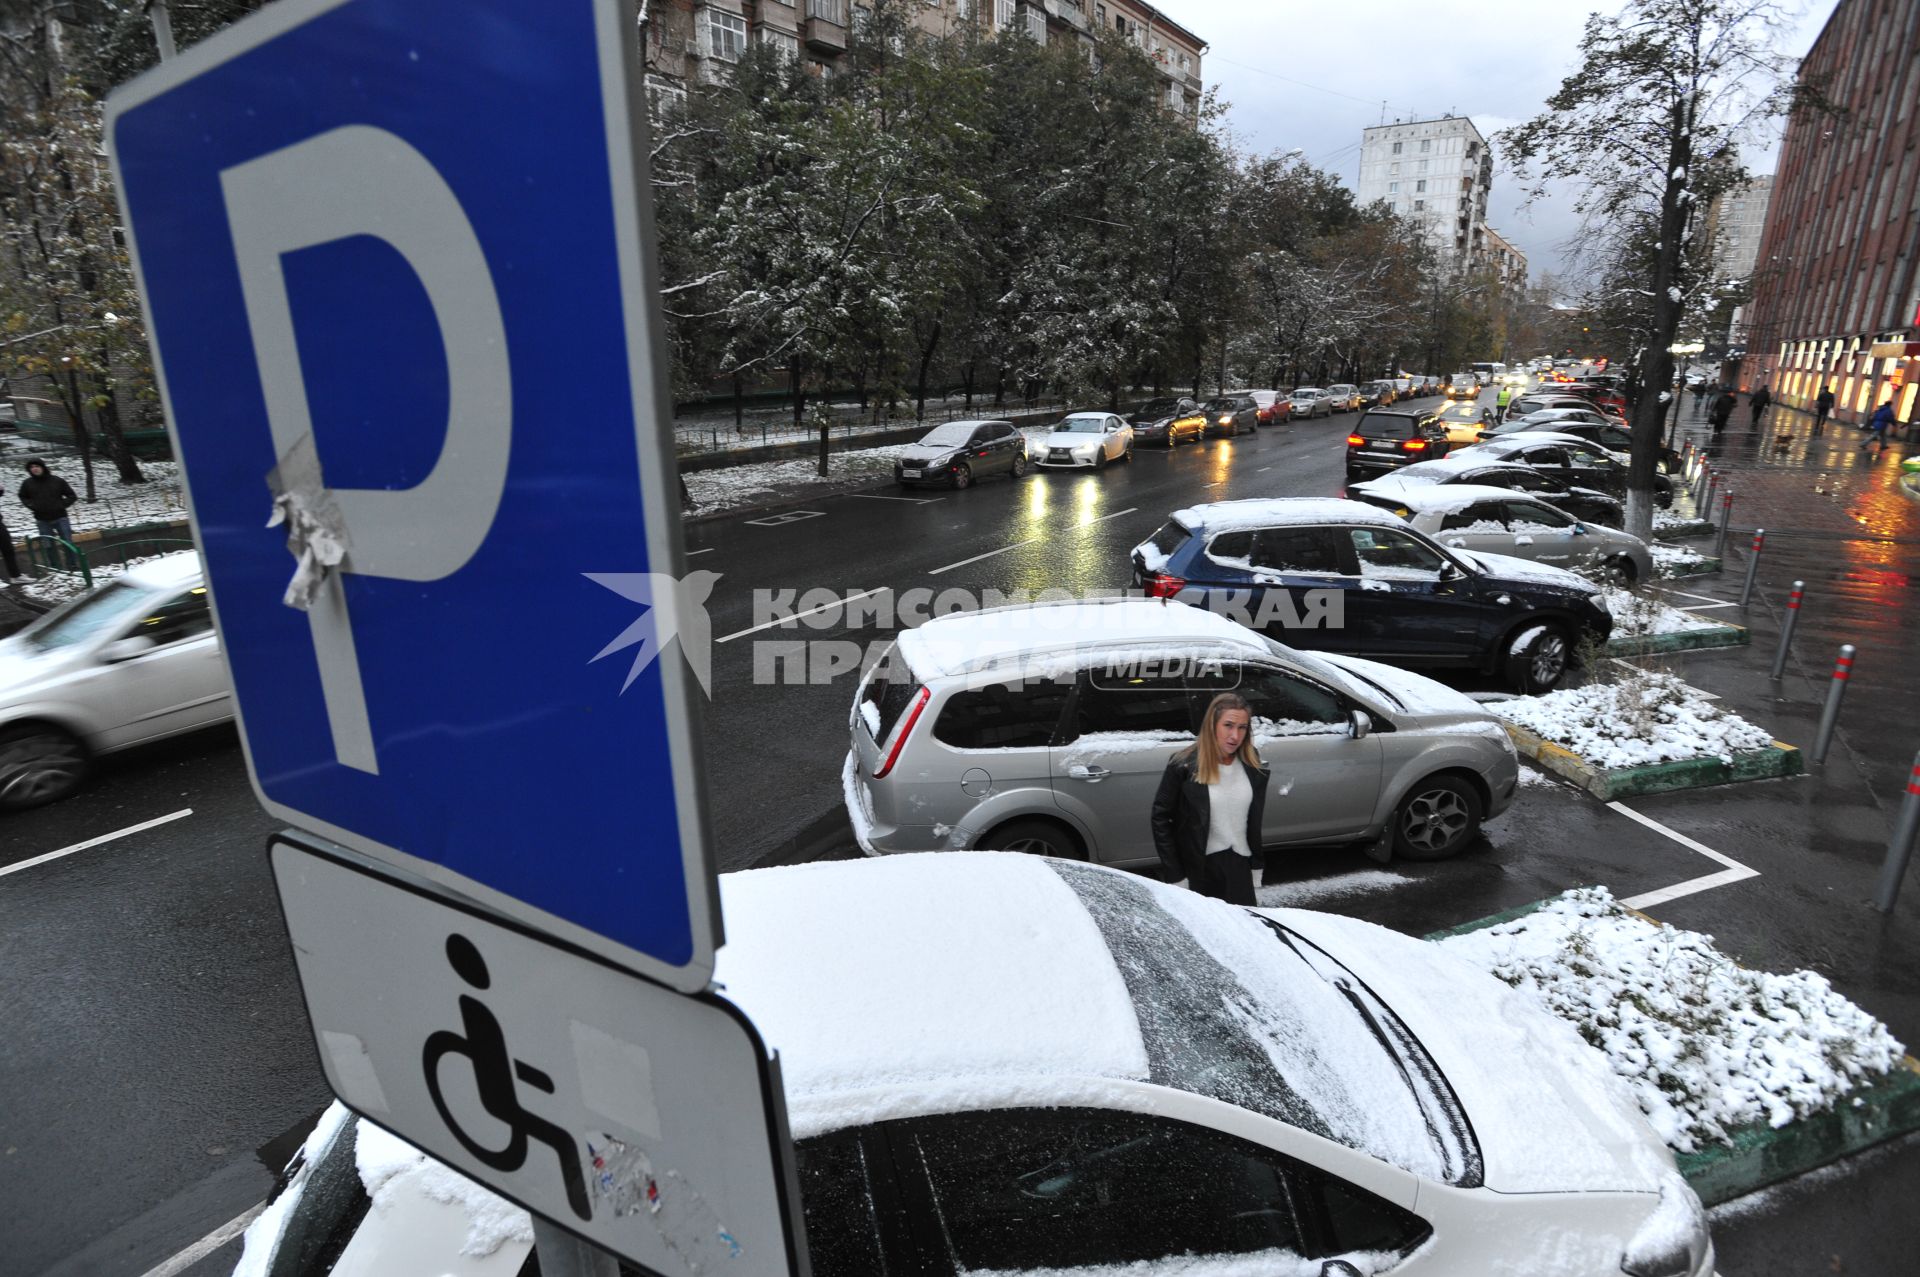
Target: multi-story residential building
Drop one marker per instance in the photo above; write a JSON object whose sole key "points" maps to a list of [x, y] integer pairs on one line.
{"points": [[1436, 172], [687, 41], [1836, 283], [1508, 262], [1738, 217]]}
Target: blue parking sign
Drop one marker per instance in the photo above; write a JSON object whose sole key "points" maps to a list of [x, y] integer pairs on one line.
{"points": [[396, 261]]}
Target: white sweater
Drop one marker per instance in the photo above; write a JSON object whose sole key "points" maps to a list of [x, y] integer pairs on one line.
{"points": [[1228, 799]]}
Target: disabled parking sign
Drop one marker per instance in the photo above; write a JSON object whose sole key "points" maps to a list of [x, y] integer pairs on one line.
{"points": [[395, 257]]}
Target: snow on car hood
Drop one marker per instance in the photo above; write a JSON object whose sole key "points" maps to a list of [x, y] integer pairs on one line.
{"points": [[923, 453], [1508, 568], [1547, 1111], [1416, 692]]}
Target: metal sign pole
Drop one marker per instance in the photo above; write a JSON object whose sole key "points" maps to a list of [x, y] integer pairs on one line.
{"points": [[564, 1255]]}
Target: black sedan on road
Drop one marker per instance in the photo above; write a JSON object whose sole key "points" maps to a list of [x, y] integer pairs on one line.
{"points": [[1169, 422], [1574, 461], [959, 452], [1388, 440]]}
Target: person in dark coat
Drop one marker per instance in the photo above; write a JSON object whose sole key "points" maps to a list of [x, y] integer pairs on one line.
{"points": [[1822, 405], [1212, 797], [7, 555], [1877, 426], [1758, 403], [48, 496], [1721, 411]]}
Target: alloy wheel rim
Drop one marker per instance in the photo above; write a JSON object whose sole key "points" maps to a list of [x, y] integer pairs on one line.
{"points": [[1435, 819], [1032, 847], [35, 767], [1549, 658]]}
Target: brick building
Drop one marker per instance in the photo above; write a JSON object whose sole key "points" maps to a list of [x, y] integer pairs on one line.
{"points": [[695, 41], [1836, 291], [1508, 261]]}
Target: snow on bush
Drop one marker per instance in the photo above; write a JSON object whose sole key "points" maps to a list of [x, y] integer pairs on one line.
{"points": [[731, 486], [1649, 717], [1705, 1045], [1676, 560], [1639, 614]]}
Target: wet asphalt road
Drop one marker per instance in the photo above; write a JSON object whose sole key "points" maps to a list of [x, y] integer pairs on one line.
{"points": [[154, 1044]]}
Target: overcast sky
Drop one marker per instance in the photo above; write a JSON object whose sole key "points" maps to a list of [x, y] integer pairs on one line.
{"points": [[1313, 73]]}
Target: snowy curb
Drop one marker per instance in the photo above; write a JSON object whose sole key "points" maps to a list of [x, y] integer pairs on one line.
{"points": [[1706, 565], [1720, 634], [1607, 784], [1681, 531], [1759, 1155]]}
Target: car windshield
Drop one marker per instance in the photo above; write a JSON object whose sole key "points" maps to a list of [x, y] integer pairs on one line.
{"points": [[1386, 425], [87, 617], [951, 435], [1463, 412], [1235, 1007], [1307, 392], [1222, 405], [1159, 408], [1080, 426]]}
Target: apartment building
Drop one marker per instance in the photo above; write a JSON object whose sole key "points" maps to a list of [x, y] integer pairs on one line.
{"points": [[691, 41], [1836, 280], [1438, 173], [1739, 216], [1508, 262]]}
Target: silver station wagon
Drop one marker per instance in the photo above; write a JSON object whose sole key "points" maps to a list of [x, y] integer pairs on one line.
{"points": [[1045, 728]]}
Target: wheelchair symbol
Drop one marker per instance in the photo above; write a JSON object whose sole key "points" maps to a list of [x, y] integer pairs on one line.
{"points": [[485, 1048]]}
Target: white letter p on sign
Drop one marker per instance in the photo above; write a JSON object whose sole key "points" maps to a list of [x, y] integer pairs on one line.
{"points": [[366, 181]]}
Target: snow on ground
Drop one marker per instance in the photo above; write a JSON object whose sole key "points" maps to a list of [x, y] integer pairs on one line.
{"points": [[58, 587], [1310, 893], [1705, 1045], [1666, 520], [1637, 615], [1676, 560], [159, 500], [731, 486], [1647, 718], [391, 1170]]}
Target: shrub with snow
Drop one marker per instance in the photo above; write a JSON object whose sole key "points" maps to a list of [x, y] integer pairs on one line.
{"points": [[1705, 1045], [1649, 717]]}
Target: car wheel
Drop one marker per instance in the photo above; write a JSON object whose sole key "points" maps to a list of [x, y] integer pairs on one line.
{"points": [[1537, 664], [1019, 465], [1621, 571], [39, 764], [1034, 838], [1127, 456], [1663, 497], [1100, 459], [1436, 819], [963, 476]]}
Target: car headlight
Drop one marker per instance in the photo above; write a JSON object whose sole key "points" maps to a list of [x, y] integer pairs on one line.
{"points": [[941, 463], [1673, 1240], [1600, 601], [1085, 449]]}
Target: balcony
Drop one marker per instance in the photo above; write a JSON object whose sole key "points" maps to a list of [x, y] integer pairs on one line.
{"points": [[826, 25], [1069, 12]]}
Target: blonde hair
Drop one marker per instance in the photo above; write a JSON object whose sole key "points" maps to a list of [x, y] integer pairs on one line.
{"points": [[1205, 750]]}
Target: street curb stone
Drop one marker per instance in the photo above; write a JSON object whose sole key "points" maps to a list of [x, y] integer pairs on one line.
{"points": [[1681, 531], [1709, 564], [1759, 1156], [1606, 784], [1723, 634]]}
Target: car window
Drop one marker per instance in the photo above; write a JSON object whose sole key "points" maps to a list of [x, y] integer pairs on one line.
{"points": [[836, 1194], [1285, 705], [982, 434], [1387, 425], [1232, 548], [1071, 1188], [1543, 456], [1002, 716], [1527, 514], [1582, 457], [1385, 552], [182, 617], [84, 618], [1110, 702], [1080, 425], [1298, 550], [1481, 516], [884, 701], [1171, 536]]}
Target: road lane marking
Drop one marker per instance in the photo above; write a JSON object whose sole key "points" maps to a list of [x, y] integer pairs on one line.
{"points": [[988, 555], [1263, 469], [1734, 871], [207, 1245], [812, 611], [691, 553], [1132, 509], [875, 496], [95, 842]]}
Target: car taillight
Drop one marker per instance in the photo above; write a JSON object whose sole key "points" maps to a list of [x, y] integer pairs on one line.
{"points": [[906, 730], [1160, 585], [1414, 445], [1355, 441]]}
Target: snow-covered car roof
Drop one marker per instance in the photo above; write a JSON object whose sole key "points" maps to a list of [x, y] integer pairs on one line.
{"points": [[958, 981], [1268, 512], [166, 572], [1501, 444], [967, 641], [1422, 473], [1433, 498]]}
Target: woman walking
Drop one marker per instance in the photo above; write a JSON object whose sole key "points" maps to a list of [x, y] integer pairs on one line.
{"points": [[1207, 814]]}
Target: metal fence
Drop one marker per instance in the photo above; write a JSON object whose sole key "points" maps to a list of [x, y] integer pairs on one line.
{"points": [[715, 430], [52, 556]]}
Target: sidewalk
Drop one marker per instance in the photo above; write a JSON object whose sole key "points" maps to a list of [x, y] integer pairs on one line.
{"points": [[1837, 519]]}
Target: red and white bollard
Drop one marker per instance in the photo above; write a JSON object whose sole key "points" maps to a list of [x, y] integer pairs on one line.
{"points": [[1786, 628], [1726, 517], [1753, 563], [1900, 850], [1842, 671]]}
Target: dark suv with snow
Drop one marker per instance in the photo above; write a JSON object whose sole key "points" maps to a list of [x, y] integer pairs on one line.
{"points": [[1384, 441]]}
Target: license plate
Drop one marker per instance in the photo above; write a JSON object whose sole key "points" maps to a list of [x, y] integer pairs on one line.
{"points": [[1384, 447], [909, 474], [1059, 456]]}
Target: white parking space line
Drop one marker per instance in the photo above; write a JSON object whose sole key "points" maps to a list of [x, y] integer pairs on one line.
{"points": [[875, 496], [988, 555], [95, 842], [812, 611], [206, 1245], [1734, 871]]}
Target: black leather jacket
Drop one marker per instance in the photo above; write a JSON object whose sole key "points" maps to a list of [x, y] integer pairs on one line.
{"points": [[1181, 811]]}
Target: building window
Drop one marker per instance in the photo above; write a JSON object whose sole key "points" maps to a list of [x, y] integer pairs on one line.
{"points": [[726, 35], [665, 96], [1393, 188], [1003, 13], [1419, 206], [834, 11], [1423, 166], [785, 43], [1393, 170], [1396, 147], [1036, 24], [1425, 145], [1420, 185]]}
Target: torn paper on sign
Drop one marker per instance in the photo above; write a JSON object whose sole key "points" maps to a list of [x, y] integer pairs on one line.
{"points": [[623, 1178], [316, 534]]}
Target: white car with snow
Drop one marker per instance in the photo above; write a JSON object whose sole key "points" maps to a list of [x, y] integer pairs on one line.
{"points": [[1046, 729], [1467, 516], [132, 661], [1085, 440], [1002, 1064]]}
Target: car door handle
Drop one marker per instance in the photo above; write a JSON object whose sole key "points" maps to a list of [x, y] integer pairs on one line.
{"points": [[1083, 771], [1523, 540], [1457, 543]]}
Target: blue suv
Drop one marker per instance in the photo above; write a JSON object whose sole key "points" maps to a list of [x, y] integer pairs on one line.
{"points": [[1340, 576]]}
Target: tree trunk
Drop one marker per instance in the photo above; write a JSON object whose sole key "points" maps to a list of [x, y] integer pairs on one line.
{"points": [[739, 408], [81, 439], [117, 449], [1656, 361], [926, 361], [968, 382]]}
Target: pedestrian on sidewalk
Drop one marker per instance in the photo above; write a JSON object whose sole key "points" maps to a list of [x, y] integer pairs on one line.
{"points": [[1877, 426], [48, 496], [1722, 410], [1758, 403], [1822, 405], [1207, 813]]}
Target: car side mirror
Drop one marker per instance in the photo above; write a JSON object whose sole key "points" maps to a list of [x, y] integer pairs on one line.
{"points": [[126, 649], [1339, 1268], [1358, 724], [1449, 571], [1580, 529]]}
